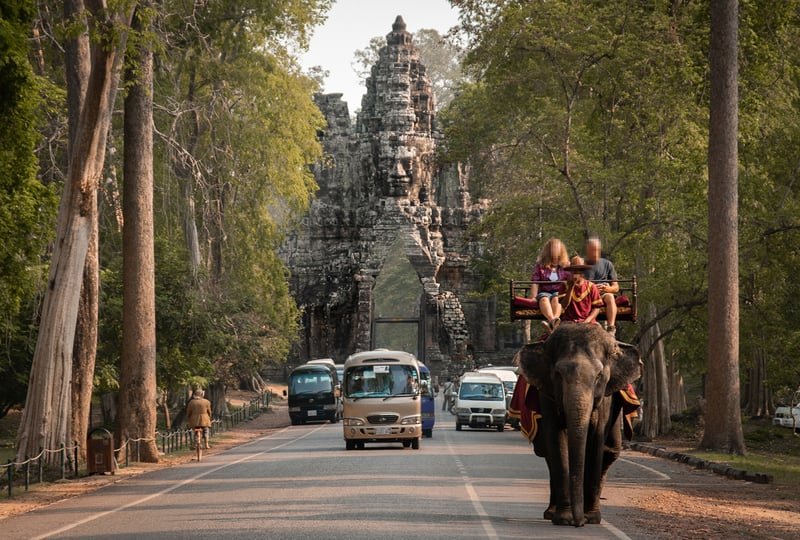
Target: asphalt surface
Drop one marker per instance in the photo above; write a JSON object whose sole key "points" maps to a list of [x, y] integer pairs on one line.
{"points": [[301, 483]]}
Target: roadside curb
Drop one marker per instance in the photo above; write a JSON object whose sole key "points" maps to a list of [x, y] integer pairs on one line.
{"points": [[699, 463]]}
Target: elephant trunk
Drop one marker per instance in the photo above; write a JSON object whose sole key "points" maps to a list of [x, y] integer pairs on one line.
{"points": [[578, 412]]}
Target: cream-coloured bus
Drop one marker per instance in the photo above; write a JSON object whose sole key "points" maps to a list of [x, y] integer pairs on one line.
{"points": [[381, 399]]}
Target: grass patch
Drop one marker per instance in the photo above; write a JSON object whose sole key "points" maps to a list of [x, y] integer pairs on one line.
{"points": [[770, 449], [784, 469]]}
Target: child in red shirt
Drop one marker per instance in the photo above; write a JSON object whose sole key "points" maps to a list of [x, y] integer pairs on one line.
{"points": [[582, 298]]}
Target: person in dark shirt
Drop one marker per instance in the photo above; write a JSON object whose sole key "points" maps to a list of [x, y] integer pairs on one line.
{"points": [[604, 276]]}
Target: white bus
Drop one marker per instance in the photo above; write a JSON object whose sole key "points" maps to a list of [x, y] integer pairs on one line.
{"points": [[381, 399]]}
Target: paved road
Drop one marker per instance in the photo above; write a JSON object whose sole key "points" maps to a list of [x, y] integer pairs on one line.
{"points": [[301, 483]]}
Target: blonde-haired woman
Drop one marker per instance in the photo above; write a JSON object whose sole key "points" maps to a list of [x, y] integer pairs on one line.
{"points": [[550, 267]]}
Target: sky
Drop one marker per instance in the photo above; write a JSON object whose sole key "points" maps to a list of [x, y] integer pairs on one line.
{"points": [[350, 26]]}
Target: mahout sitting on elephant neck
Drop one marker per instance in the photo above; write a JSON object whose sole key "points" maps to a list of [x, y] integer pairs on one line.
{"points": [[580, 372]]}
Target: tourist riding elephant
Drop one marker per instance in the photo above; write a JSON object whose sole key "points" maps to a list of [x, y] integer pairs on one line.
{"points": [[580, 371]]}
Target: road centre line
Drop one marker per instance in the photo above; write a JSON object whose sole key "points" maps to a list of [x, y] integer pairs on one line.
{"points": [[178, 485], [473, 496]]}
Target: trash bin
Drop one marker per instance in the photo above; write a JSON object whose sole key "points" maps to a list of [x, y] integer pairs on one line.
{"points": [[100, 451]]}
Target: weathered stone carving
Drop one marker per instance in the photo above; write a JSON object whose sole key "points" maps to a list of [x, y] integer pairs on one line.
{"points": [[381, 180]]}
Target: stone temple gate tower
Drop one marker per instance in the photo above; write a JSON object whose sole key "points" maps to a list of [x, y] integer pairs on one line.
{"points": [[382, 186]]}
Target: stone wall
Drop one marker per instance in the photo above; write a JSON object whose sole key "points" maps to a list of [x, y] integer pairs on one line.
{"points": [[380, 181]]}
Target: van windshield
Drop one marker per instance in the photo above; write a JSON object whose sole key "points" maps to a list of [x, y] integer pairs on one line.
{"points": [[482, 391], [309, 383], [380, 381]]}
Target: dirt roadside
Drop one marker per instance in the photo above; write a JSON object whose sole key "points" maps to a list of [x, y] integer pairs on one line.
{"points": [[270, 421], [710, 508]]}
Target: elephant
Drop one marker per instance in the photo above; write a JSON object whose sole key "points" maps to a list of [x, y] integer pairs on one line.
{"points": [[579, 371]]}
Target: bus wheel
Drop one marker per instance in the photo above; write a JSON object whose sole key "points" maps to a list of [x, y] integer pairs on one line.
{"points": [[350, 445], [415, 444], [360, 445]]}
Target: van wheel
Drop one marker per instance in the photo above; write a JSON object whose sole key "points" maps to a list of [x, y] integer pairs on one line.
{"points": [[334, 419], [406, 444], [458, 426], [350, 445], [415, 444], [501, 428]]}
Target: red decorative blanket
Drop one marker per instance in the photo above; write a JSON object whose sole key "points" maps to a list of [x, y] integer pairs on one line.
{"points": [[525, 405]]}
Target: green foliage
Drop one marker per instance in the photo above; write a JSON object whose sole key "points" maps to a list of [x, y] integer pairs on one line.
{"points": [[27, 207], [238, 128], [591, 118]]}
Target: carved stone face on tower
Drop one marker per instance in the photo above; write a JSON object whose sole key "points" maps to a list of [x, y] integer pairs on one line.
{"points": [[399, 92], [382, 185]]}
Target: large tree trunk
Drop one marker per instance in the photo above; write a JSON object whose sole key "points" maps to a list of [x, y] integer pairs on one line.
{"points": [[85, 346], [216, 395], [655, 383], [46, 420], [759, 398], [677, 393], [723, 425], [137, 404]]}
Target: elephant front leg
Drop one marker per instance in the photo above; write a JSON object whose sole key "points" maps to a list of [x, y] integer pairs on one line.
{"points": [[610, 451], [540, 444], [559, 481], [551, 506]]}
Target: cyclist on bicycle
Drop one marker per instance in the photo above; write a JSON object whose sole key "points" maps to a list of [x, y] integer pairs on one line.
{"points": [[198, 412]]}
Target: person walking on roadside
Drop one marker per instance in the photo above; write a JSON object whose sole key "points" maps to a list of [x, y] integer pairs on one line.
{"points": [[446, 393]]}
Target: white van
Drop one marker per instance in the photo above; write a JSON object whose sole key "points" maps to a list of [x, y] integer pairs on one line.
{"points": [[509, 377], [481, 401], [783, 417]]}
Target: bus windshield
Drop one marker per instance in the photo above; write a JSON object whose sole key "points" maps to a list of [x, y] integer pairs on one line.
{"points": [[309, 383], [380, 380]]}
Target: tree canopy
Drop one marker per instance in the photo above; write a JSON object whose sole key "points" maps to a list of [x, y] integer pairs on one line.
{"points": [[27, 206], [235, 134], [591, 118]]}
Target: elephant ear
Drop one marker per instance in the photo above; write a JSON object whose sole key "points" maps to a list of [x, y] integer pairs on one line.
{"points": [[626, 367], [534, 365]]}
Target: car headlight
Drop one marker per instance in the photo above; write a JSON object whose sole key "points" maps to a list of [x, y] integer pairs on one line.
{"points": [[461, 410], [410, 420], [294, 409], [498, 412], [329, 407], [353, 421]]}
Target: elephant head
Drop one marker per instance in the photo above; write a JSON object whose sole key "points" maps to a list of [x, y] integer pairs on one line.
{"points": [[578, 368]]}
